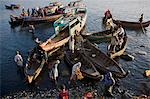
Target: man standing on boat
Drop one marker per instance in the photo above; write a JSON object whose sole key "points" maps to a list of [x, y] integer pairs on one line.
{"points": [[110, 24], [141, 18], [114, 43], [72, 40], [18, 59], [120, 31]]}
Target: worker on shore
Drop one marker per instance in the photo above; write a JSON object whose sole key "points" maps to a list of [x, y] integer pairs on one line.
{"points": [[76, 73], [141, 18], [54, 72], [109, 82], [64, 94], [18, 59], [72, 42]]}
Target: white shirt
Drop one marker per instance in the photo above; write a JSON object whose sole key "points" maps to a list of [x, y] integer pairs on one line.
{"points": [[74, 68], [18, 59], [120, 41], [109, 24], [55, 70], [120, 31], [114, 40]]}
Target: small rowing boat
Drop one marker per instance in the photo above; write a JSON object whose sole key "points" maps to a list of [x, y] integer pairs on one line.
{"points": [[26, 21], [99, 36], [128, 24], [132, 25], [87, 68], [101, 61]]}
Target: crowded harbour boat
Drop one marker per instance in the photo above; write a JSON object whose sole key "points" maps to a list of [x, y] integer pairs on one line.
{"points": [[87, 64]]}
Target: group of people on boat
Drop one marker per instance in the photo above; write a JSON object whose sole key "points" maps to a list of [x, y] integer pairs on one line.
{"points": [[118, 33], [117, 39], [34, 12]]}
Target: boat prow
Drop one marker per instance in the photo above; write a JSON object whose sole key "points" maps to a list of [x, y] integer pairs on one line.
{"points": [[30, 79], [121, 51]]}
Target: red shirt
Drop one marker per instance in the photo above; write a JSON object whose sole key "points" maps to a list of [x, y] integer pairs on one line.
{"points": [[64, 95]]}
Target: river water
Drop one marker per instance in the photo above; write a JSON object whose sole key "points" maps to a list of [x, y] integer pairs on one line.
{"points": [[17, 39]]}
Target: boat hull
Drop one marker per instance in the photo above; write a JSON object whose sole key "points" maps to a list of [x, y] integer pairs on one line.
{"points": [[86, 65], [103, 36], [26, 21], [129, 25], [101, 61], [132, 25]]}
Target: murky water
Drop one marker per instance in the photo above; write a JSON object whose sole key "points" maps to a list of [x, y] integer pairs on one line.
{"points": [[16, 39]]}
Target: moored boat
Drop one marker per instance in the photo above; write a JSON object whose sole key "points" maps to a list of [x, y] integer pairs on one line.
{"points": [[50, 15], [76, 19], [129, 24], [35, 64], [99, 36], [132, 25], [87, 68], [12, 6], [102, 61], [39, 56], [15, 21], [38, 20]]}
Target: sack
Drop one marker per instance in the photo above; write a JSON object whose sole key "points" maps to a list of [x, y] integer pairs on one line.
{"points": [[79, 74]]}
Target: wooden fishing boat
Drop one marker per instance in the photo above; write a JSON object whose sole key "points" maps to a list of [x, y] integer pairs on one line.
{"points": [[15, 20], [51, 15], [46, 49], [76, 19], [121, 50], [26, 21], [36, 62], [132, 25], [12, 6], [99, 36], [87, 68], [101, 61], [38, 20], [39, 56]]}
